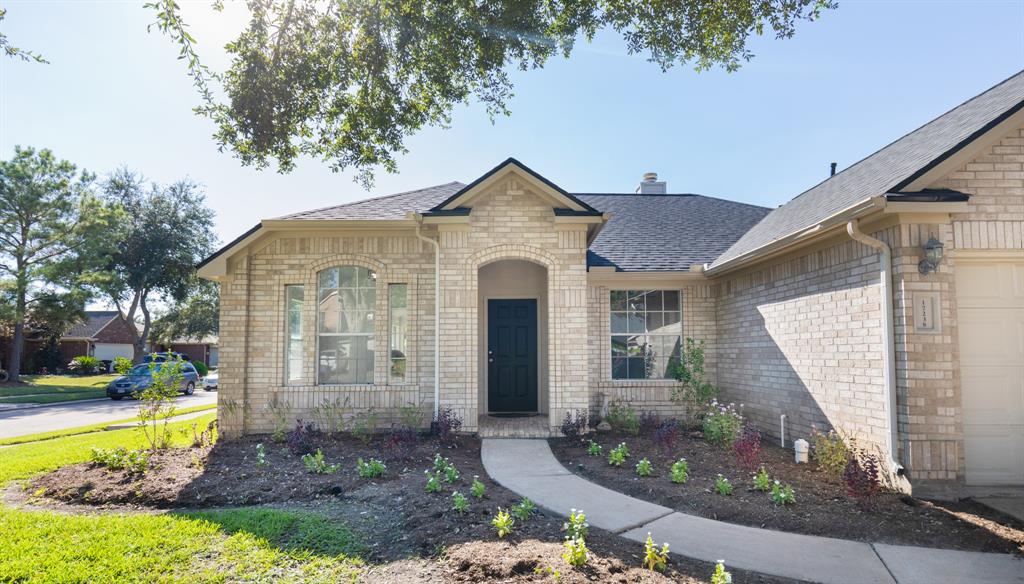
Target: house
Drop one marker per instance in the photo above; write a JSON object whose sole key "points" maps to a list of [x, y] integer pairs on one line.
{"points": [[887, 301], [103, 334], [203, 349]]}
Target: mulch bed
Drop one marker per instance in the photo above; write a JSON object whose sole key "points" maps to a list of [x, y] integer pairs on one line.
{"points": [[400, 523], [822, 506]]}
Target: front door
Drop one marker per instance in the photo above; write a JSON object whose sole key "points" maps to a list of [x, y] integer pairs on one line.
{"points": [[512, 355]]}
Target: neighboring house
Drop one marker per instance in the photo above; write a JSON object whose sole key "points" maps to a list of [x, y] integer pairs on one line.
{"points": [[103, 334], [204, 349], [548, 301]]}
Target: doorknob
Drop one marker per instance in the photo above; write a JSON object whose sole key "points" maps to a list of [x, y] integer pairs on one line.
{"points": [[491, 360]]}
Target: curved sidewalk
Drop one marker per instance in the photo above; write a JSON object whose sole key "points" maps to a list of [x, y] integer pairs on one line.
{"points": [[529, 468]]}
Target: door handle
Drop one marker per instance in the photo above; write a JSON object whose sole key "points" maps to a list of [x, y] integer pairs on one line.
{"points": [[491, 360]]}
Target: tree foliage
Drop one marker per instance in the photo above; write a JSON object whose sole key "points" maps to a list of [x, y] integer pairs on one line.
{"points": [[166, 231], [195, 317], [347, 81], [50, 247], [13, 51]]}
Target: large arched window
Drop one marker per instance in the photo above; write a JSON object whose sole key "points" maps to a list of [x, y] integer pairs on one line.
{"points": [[346, 299]]}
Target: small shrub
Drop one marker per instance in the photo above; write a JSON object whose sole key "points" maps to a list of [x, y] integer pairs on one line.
{"points": [[623, 418], [694, 391], [523, 509], [721, 576], [411, 416], [301, 439], [666, 435], [680, 471], [477, 489], [433, 482], [370, 469], [401, 442], [446, 427], [315, 464], [830, 451], [782, 495], [649, 422], [722, 424], [261, 455], [548, 571], [122, 365], [364, 425], [576, 553], [451, 474], [618, 455], [201, 368], [655, 560], [84, 365], [862, 479], [723, 486], [593, 448], [577, 526], [459, 502], [762, 482], [281, 411], [503, 523], [747, 447], [134, 461], [644, 468], [441, 463], [574, 424]]}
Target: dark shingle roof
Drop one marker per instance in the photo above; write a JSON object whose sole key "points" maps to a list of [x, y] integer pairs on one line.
{"points": [[890, 169], [383, 208], [94, 321], [666, 232]]}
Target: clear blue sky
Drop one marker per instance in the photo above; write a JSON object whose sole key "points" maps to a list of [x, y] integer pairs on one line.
{"points": [[841, 88]]}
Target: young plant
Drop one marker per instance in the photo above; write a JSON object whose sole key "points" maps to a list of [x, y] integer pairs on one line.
{"points": [[261, 456], [364, 425], [762, 482], [694, 390], [721, 576], [722, 423], [523, 509], [574, 424], [649, 422], [576, 553], [477, 489], [747, 447], [459, 502], [503, 523], [782, 495], [623, 418], [667, 434], [446, 427], [441, 463], [301, 439], [451, 474], [550, 571], [655, 560], [618, 455], [862, 479], [370, 469], [156, 402], [723, 486], [433, 482], [830, 451], [281, 412], [680, 471], [593, 448], [134, 461], [315, 464], [577, 526], [122, 365], [644, 468]]}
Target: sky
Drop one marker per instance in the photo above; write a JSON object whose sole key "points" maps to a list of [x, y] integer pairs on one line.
{"points": [[863, 75]]}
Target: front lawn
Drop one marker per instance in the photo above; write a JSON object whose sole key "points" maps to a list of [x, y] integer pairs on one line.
{"points": [[45, 389]]}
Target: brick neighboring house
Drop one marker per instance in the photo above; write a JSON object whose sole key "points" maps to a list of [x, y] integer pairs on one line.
{"points": [[103, 334], [511, 295], [204, 349]]}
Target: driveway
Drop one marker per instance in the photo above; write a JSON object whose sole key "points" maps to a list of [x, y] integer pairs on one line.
{"points": [[72, 414]]}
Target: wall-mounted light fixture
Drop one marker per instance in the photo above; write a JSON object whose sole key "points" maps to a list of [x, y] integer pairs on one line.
{"points": [[932, 256]]}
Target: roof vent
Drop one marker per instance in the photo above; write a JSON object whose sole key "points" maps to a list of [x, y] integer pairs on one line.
{"points": [[650, 185]]}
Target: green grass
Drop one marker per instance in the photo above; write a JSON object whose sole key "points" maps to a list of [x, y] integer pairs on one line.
{"points": [[91, 428], [55, 388]]}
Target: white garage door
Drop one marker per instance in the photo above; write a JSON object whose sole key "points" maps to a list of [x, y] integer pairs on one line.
{"points": [[107, 351], [990, 299]]}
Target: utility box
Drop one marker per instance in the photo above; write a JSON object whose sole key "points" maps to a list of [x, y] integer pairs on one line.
{"points": [[802, 449]]}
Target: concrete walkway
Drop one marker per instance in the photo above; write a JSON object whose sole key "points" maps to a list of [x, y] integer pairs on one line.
{"points": [[529, 468]]}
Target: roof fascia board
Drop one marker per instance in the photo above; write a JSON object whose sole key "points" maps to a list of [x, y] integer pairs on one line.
{"points": [[908, 207], [967, 150], [335, 224]]}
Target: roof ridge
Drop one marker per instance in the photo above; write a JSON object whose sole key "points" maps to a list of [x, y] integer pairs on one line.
{"points": [[379, 198], [733, 201]]}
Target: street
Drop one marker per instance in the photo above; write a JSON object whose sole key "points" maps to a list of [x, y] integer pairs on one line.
{"points": [[73, 414]]}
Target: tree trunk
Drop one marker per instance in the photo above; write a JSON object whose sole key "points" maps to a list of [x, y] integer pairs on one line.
{"points": [[18, 340]]}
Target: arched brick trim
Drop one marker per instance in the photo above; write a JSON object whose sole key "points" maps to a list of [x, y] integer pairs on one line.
{"points": [[512, 251], [347, 259]]}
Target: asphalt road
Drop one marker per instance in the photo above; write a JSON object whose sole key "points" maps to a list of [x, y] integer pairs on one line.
{"points": [[72, 414]]}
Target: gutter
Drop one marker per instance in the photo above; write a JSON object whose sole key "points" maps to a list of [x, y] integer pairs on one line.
{"points": [[437, 311], [888, 334]]}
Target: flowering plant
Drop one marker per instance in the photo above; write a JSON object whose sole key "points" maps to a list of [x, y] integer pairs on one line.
{"points": [[722, 423]]}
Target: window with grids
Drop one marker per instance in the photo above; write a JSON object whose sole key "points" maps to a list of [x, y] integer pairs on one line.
{"points": [[345, 322], [293, 334], [398, 329], [646, 331]]}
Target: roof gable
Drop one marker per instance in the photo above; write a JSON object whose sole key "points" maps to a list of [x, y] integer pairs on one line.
{"points": [[94, 322]]}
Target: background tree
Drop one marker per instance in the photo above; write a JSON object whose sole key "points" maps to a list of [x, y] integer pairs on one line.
{"points": [[49, 244], [13, 51], [196, 317], [348, 80], [166, 231]]}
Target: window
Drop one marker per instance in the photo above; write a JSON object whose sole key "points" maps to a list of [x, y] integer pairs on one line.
{"points": [[294, 298], [398, 329], [347, 296], [646, 331]]}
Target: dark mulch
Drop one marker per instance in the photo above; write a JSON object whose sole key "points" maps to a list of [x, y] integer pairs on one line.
{"points": [[412, 536], [822, 506]]}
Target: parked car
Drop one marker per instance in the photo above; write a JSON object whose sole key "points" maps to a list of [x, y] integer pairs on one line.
{"points": [[210, 381], [141, 376], [166, 356]]}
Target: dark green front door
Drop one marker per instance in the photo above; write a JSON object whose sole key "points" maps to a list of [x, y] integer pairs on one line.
{"points": [[512, 355]]}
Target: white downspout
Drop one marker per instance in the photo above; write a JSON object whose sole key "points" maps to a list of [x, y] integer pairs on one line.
{"points": [[888, 334], [437, 314]]}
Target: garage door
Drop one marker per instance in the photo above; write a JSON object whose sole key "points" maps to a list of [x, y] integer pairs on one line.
{"points": [[107, 351], [990, 300]]}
